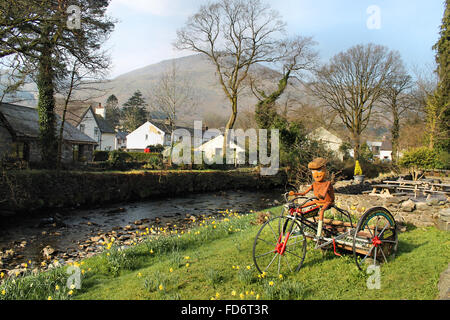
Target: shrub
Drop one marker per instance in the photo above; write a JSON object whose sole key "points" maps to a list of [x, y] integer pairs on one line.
{"points": [[117, 159], [419, 159], [142, 157], [101, 155]]}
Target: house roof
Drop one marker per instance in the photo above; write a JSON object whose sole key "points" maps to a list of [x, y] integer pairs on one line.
{"points": [[326, 136], [24, 122], [75, 110], [219, 141], [102, 124], [386, 145], [121, 135], [161, 125]]}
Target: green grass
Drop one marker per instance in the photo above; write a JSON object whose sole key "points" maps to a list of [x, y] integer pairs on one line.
{"points": [[218, 259]]}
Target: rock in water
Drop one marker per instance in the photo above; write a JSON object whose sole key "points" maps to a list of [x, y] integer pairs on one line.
{"points": [[47, 252]]}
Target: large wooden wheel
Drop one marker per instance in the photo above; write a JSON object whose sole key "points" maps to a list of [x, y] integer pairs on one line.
{"points": [[375, 240], [280, 246]]}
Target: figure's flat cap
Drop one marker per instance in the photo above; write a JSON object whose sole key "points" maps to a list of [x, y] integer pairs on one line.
{"points": [[317, 163]]}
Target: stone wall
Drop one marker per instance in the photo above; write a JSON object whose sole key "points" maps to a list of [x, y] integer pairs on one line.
{"points": [[405, 209], [5, 141], [32, 190]]}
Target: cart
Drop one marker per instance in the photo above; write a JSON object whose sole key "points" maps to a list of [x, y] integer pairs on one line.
{"points": [[281, 243]]}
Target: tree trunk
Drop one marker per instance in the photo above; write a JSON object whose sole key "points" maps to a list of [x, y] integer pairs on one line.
{"points": [[395, 137], [46, 106], [230, 125], [356, 146]]}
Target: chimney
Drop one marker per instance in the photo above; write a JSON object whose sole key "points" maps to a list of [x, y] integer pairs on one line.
{"points": [[101, 111]]}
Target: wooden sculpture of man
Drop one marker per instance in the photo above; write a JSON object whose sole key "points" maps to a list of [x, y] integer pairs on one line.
{"points": [[322, 188]]}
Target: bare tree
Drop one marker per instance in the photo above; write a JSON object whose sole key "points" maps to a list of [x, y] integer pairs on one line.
{"points": [[172, 93], [294, 57], [432, 103], [14, 74], [233, 35], [396, 102], [352, 83], [79, 78]]}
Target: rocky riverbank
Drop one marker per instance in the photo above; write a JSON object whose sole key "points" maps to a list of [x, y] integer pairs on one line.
{"points": [[71, 235]]}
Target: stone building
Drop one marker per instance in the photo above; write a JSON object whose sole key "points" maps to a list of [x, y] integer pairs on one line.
{"points": [[19, 136]]}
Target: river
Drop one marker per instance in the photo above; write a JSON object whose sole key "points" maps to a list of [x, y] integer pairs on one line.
{"points": [[64, 230]]}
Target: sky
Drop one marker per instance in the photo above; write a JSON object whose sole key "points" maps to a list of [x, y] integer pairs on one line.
{"points": [[147, 28]]}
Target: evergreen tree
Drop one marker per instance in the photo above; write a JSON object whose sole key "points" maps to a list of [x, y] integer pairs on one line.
{"points": [[43, 34], [134, 113], [113, 111], [442, 96]]}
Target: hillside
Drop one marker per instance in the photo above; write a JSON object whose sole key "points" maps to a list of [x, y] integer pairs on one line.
{"points": [[198, 71]]}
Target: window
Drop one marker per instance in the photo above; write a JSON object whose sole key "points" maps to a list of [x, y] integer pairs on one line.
{"points": [[146, 137], [21, 150], [96, 132], [82, 127]]}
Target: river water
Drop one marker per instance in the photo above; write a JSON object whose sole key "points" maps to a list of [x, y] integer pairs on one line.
{"points": [[64, 229]]}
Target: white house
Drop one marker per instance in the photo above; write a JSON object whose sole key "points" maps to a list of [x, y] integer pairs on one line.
{"points": [[159, 132], [94, 125], [381, 149], [213, 150], [329, 140], [146, 135]]}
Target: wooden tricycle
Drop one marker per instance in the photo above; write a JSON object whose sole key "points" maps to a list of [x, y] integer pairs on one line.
{"points": [[280, 245]]}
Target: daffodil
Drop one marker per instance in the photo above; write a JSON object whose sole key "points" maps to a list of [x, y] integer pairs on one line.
{"points": [[139, 275], [171, 270], [3, 292], [271, 283], [49, 298], [217, 295], [233, 293], [187, 265], [161, 287], [57, 288], [70, 292], [242, 296]]}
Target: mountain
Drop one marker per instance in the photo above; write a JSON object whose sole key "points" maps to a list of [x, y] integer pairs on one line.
{"points": [[212, 105], [197, 70]]}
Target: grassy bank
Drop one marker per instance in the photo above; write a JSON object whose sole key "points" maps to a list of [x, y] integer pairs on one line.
{"points": [[213, 261]]}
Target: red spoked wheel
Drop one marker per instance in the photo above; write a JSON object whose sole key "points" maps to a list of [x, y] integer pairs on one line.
{"points": [[375, 240], [280, 246]]}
